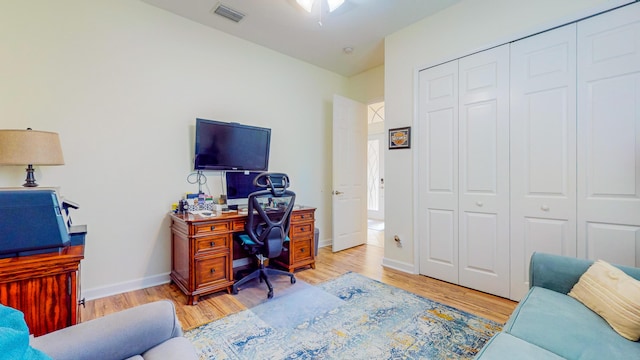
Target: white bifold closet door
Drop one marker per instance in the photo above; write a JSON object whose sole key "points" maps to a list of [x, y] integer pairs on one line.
{"points": [[463, 171], [484, 171], [609, 136], [543, 150], [438, 172]]}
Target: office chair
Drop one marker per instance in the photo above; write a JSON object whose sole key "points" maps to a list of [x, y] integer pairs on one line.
{"points": [[267, 226]]}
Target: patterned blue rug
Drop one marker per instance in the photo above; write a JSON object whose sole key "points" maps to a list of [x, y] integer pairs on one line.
{"points": [[351, 317]]}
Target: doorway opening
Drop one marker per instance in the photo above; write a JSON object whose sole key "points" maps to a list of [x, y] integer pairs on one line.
{"points": [[375, 174]]}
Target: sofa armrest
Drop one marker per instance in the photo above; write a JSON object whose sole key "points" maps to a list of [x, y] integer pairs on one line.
{"points": [[561, 273], [115, 336]]}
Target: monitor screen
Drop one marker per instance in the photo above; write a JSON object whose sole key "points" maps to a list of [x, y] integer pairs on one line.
{"points": [[240, 184], [231, 146]]}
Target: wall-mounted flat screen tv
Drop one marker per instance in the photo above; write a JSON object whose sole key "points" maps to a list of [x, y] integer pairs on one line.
{"points": [[231, 146]]}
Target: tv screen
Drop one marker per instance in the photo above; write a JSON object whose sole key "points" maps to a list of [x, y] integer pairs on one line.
{"points": [[231, 146]]}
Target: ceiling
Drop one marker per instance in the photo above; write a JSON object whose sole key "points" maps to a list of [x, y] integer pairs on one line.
{"points": [[318, 38]]}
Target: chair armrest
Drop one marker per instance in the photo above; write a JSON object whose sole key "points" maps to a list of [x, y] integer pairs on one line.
{"points": [[561, 273], [554, 272], [115, 336]]}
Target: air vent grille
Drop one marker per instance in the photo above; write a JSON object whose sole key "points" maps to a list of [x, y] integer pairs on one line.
{"points": [[227, 12]]}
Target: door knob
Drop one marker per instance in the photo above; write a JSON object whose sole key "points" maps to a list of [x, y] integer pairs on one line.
{"points": [[337, 192]]}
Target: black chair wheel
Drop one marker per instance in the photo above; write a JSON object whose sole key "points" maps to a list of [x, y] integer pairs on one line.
{"points": [[270, 294], [293, 280]]}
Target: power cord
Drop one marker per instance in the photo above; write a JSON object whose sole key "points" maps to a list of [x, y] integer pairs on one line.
{"points": [[198, 178]]}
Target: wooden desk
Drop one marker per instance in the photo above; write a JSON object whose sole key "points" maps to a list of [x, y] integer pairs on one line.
{"points": [[202, 249], [44, 287]]}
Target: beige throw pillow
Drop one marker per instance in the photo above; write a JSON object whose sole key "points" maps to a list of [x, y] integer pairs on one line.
{"points": [[613, 295]]}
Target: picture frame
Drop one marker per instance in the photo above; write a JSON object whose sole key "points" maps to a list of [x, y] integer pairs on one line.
{"points": [[400, 138]]}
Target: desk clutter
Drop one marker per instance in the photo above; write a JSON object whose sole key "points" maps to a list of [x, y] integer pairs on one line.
{"points": [[207, 205], [194, 202]]}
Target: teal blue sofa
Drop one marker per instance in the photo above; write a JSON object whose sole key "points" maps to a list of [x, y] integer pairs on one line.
{"points": [[549, 324]]}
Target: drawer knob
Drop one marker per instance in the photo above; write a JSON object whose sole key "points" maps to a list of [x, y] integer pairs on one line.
{"points": [[301, 250], [213, 271], [213, 227], [213, 244]]}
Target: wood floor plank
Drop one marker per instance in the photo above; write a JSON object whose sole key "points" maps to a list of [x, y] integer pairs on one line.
{"points": [[364, 259]]}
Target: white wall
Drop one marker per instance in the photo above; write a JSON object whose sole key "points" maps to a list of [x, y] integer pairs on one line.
{"points": [[368, 86], [467, 27], [122, 83]]}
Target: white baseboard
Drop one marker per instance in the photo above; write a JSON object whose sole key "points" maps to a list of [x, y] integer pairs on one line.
{"points": [[399, 265], [142, 283], [324, 243]]}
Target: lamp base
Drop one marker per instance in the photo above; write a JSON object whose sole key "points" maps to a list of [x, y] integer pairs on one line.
{"points": [[30, 181]]}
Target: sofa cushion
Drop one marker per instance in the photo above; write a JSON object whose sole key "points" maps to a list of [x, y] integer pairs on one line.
{"points": [[612, 294], [174, 348], [506, 346], [562, 325]]}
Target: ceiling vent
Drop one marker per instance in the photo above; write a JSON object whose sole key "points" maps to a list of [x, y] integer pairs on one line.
{"points": [[228, 12]]}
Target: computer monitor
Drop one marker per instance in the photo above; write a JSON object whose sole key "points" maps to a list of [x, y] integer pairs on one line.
{"points": [[239, 186]]}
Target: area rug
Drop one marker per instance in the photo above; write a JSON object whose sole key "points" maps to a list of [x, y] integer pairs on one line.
{"points": [[351, 317]]}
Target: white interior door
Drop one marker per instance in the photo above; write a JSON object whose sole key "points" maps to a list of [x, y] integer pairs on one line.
{"points": [[349, 173], [543, 150], [437, 212], [375, 176], [484, 171], [609, 137]]}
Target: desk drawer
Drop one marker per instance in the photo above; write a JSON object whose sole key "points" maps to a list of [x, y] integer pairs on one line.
{"points": [[219, 242], [238, 225], [301, 250], [212, 228], [301, 230], [211, 270], [304, 216]]}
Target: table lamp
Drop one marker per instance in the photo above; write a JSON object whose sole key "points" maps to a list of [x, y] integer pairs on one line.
{"points": [[30, 147]]}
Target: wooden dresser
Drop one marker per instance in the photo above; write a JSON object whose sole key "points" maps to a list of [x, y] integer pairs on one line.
{"points": [[301, 247], [202, 249], [44, 287]]}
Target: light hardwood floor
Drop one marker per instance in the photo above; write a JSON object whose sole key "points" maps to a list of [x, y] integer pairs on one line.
{"points": [[364, 259]]}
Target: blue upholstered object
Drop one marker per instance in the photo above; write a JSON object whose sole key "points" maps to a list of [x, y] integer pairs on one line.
{"points": [[31, 222], [548, 322], [14, 337], [246, 240], [506, 346]]}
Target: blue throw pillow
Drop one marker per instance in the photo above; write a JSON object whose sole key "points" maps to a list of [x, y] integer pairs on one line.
{"points": [[14, 337]]}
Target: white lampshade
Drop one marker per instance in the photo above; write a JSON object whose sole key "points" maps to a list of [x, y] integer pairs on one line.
{"points": [[306, 4], [334, 4]]}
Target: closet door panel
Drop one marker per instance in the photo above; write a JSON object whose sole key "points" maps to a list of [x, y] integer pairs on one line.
{"points": [[543, 155], [484, 171], [438, 172], [609, 136]]}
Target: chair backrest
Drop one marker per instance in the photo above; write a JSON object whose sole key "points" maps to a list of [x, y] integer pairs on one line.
{"points": [[270, 212]]}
